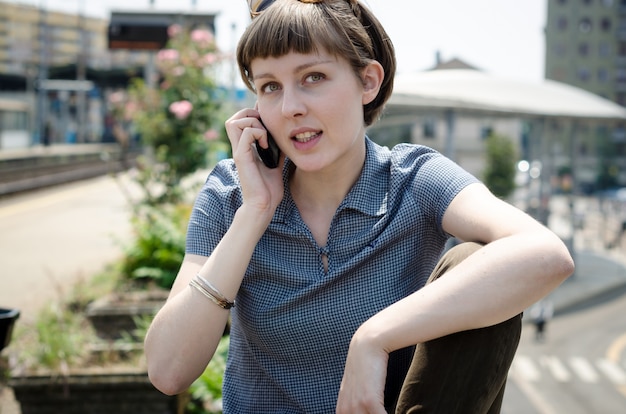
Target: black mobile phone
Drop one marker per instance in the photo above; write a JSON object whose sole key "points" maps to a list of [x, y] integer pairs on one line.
{"points": [[271, 155]]}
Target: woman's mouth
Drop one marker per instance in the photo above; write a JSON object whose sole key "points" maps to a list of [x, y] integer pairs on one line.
{"points": [[305, 137]]}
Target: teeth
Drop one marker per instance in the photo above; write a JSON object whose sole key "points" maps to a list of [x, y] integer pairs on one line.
{"points": [[305, 136]]}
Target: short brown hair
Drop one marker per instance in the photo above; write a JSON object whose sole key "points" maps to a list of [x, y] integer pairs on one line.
{"points": [[344, 28]]}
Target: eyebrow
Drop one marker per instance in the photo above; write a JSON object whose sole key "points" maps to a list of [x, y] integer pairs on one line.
{"points": [[299, 68]]}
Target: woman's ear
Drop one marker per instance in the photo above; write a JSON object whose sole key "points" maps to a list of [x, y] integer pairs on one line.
{"points": [[372, 76]]}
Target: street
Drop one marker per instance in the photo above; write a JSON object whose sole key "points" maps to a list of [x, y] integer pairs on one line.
{"points": [[580, 368]]}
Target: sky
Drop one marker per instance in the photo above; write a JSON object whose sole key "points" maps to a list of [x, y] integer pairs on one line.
{"points": [[502, 37]]}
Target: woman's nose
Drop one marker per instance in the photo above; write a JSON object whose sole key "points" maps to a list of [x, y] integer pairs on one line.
{"points": [[293, 103]]}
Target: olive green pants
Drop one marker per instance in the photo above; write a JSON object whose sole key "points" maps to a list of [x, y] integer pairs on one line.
{"points": [[465, 372]]}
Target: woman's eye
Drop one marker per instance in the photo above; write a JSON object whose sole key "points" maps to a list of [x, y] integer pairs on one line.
{"points": [[315, 77], [270, 87]]}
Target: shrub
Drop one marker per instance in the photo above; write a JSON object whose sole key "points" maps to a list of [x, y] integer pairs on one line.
{"points": [[158, 249], [500, 170]]}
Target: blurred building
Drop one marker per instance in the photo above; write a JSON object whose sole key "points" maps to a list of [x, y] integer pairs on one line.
{"points": [[31, 37], [586, 48], [38, 45], [564, 132]]}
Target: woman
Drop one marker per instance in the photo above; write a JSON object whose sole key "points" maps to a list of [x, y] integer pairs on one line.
{"points": [[328, 255]]}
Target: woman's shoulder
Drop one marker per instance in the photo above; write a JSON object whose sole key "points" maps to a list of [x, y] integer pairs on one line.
{"points": [[407, 154], [222, 183], [406, 158], [422, 169], [223, 174]]}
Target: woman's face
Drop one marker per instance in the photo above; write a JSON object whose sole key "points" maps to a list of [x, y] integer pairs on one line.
{"points": [[313, 106]]}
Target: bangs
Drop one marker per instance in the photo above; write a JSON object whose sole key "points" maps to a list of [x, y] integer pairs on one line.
{"points": [[293, 27]]}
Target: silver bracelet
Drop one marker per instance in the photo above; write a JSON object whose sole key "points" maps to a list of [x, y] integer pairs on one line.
{"points": [[211, 292]]}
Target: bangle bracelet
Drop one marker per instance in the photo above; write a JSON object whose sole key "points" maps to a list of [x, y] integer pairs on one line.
{"points": [[211, 292], [219, 302], [214, 291]]}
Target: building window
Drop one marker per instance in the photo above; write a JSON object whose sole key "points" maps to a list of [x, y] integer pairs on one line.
{"points": [[429, 129], [559, 49], [622, 49], [561, 23], [584, 25], [604, 49], [587, 2], [486, 132], [605, 24], [584, 74], [621, 29], [558, 74], [603, 75], [562, 2], [607, 3], [583, 49]]}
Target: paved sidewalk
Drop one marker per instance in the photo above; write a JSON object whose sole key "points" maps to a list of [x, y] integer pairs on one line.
{"points": [[596, 275]]}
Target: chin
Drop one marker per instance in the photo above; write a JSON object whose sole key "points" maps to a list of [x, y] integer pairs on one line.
{"points": [[309, 165]]}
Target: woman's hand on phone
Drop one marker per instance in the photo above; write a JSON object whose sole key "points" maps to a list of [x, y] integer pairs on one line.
{"points": [[262, 187]]}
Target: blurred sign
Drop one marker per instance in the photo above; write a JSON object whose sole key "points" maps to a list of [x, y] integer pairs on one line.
{"points": [[148, 31], [65, 85], [137, 36]]}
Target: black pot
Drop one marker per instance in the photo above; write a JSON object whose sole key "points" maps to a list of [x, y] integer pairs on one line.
{"points": [[7, 320]]}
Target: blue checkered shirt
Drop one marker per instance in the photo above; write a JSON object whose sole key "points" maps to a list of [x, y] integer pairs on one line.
{"points": [[293, 321]]}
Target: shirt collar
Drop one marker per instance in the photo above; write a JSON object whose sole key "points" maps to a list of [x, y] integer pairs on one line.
{"points": [[369, 193]]}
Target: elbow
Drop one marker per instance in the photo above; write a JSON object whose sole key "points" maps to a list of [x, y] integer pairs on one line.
{"points": [[563, 269], [568, 266], [163, 373], [167, 383], [563, 265]]}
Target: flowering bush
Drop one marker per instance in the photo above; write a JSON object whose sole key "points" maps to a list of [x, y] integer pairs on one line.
{"points": [[178, 116]]}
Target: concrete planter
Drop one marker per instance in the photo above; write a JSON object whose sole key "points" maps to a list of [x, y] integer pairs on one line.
{"points": [[94, 393], [7, 321], [115, 314]]}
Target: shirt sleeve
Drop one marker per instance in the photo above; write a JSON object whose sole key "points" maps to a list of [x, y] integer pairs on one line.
{"points": [[213, 210], [432, 179]]}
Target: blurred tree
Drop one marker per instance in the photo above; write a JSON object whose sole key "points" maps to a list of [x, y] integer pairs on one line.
{"points": [[499, 174], [180, 124], [179, 121]]}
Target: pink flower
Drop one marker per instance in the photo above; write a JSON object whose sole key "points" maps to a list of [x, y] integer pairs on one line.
{"points": [[211, 135], [130, 110], [181, 109], [209, 59], [174, 30], [168, 55], [201, 36], [178, 71], [117, 98]]}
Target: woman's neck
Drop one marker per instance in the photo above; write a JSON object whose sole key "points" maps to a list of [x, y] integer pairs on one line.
{"points": [[326, 189], [318, 194]]}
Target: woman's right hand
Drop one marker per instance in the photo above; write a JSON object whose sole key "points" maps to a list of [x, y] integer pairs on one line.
{"points": [[262, 187]]}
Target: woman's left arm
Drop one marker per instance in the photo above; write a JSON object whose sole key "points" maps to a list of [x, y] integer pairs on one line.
{"points": [[521, 262]]}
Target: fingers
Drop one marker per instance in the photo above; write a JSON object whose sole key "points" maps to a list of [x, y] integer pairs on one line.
{"points": [[244, 129], [239, 122]]}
